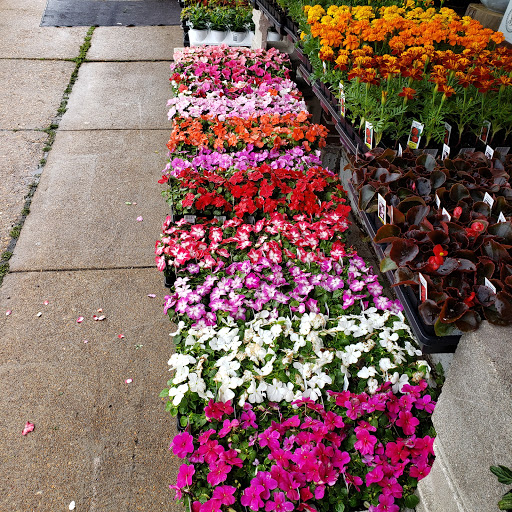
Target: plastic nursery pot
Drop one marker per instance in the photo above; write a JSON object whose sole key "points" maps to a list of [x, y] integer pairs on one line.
{"points": [[196, 36], [273, 36], [217, 36], [169, 278]]}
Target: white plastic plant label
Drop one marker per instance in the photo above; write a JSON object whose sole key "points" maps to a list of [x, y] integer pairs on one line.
{"points": [[438, 201], [446, 152], [190, 218], [368, 134], [501, 217], [400, 150], [489, 152], [381, 208], [445, 213], [488, 199], [489, 285], [423, 287], [415, 135]]}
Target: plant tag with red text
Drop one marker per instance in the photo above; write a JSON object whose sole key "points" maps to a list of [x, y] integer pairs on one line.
{"points": [[381, 208], [423, 287], [447, 133], [368, 134], [415, 135], [484, 132]]}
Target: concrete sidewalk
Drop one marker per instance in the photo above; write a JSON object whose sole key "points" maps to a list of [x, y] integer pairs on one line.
{"points": [[97, 441]]}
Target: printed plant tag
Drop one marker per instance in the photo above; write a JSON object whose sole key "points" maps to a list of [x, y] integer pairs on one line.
{"points": [[400, 150], [501, 217], [343, 105], [489, 285], [438, 201], [446, 152], [415, 135], [368, 134], [190, 218], [432, 152], [445, 213], [488, 199], [423, 287], [489, 152], [381, 208], [324, 66], [220, 218], [484, 133], [447, 133]]}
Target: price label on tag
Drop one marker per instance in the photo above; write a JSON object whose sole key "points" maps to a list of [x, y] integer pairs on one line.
{"points": [[488, 199], [415, 135], [423, 287], [489, 152], [190, 218], [447, 133], [489, 285], [445, 213], [368, 134], [446, 152], [501, 217], [484, 133], [381, 208]]}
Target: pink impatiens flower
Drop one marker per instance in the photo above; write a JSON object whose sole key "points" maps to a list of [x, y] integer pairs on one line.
{"points": [[224, 494], [279, 504], [218, 474], [251, 497], [365, 442], [408, 422]]}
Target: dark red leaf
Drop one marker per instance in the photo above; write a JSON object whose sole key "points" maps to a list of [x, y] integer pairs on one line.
{"points": [[403, 251], [452, 310], [429, 312]]}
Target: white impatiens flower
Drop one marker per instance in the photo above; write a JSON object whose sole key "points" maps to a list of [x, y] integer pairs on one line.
{"points": [[180, 326], [319, 380], [198, 385], [350, 355], [180, 363], [267, 369], [373, 385], [255, 352], [366, 372], [178, 393], [398, 381], [256, 392], [385, 364]]}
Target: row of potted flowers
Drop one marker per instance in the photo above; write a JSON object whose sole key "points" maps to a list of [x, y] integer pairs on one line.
{"points": [[296, 380]]}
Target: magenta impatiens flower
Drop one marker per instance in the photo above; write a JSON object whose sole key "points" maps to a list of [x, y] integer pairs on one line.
{"points": [[386, 504], [279, 504], [182, 444], [224, 494], [218, 474], [252, 497], [408, 422], [185, 474], [365, 442]]}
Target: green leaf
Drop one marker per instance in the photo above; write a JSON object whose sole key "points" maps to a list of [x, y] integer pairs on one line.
{"points": [[411, 501], [442, 329], [387, 264], [503, 473], [340, 507], [506, 502]]}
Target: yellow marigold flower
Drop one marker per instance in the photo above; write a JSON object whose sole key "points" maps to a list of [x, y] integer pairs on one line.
{"points": [[326, 53]]}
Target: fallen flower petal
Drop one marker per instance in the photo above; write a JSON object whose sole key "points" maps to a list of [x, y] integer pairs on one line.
{"points": [[139, 218], [86, 341], [46, 302], [72, 505], [151, 295], [39, 314], [28, 428], [120, 336], [128, 381], [8, 312], [100, 310], [80, 319]]}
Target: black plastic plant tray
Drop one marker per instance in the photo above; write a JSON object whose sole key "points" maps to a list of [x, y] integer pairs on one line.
{"points": [[277, 20], [349, 140], [305, 73], [429, 342], [327, 105], [292, 35]]}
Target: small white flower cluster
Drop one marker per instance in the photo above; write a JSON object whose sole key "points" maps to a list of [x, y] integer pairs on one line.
{"points": [[285, 358]]}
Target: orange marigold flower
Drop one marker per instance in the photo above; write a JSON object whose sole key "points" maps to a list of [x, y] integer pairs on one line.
{"points": [[407, 93]]}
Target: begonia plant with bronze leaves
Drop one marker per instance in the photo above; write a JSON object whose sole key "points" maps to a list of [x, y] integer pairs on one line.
{"points": [[451, 222]]}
